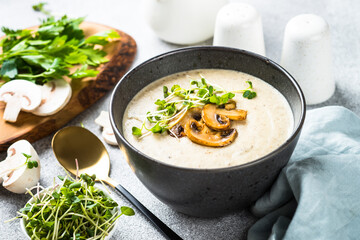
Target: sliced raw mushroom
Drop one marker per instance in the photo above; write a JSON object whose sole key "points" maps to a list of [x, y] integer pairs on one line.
{"points": [[198, 132], [19, 95], [219, 118], [103, 119], [107, 133], [54, 96], [177, 125], [109, 136], [14, 173]]}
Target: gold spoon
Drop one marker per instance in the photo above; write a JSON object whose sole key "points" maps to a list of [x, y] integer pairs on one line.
{"points": [[74, 142]]}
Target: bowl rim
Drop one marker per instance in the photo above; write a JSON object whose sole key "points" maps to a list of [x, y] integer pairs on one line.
{"points": [[266, 60]]}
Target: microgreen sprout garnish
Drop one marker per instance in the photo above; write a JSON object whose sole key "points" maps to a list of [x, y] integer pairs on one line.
{"points": [[72, 209], [29, 163], [178, 100], [248, 92]]}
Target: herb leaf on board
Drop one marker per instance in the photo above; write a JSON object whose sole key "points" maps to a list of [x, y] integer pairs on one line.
{"points": [[49, 52]]}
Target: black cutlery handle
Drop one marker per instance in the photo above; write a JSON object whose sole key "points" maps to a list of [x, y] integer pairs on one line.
{"points": [[168, 233]]}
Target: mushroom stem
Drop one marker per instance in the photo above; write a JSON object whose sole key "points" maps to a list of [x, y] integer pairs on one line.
{"points": [[12, 108]]}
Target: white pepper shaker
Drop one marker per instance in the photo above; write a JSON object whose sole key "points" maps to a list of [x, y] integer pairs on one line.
{"points": [[239, 25], [306, 54]]}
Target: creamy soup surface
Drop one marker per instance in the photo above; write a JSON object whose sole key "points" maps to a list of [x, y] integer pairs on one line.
{"points": [[269, 122]]}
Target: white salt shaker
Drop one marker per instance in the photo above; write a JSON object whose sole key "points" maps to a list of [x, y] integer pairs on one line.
{"points": [[306, 54], [239, 25]]}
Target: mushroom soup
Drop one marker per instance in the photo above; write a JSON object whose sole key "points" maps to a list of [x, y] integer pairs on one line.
{"points": [[221, 131]]}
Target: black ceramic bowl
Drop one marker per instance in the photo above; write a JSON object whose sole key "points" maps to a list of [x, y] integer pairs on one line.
{"points": [[207, 192]]}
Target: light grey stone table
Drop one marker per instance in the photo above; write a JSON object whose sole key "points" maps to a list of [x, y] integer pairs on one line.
{"points": [[126, 15]]}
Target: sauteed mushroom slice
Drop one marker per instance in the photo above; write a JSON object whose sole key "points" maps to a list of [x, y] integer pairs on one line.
{"points": [[214, 120], [177, 130], [178, 124], [199, 133], [219, 118], [235, 114], [230, 105]]}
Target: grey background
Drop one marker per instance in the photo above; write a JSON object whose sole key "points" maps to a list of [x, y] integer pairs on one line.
{"points": [[126, 15]]}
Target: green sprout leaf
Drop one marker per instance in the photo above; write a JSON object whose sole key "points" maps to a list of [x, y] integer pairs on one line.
{"points": [[157, 128], [165, 91], [29, 163], [26, 155], [75, 185], [136, 131], [174, 88], [250, 84], [35, 164], [127, 211], [249, 94]]}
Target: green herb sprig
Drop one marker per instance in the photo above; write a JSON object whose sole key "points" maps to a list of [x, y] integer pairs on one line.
{"points": [[50, 51], [30, 164], [248, 93], [73, 209], [178, 100], [40, 8]]}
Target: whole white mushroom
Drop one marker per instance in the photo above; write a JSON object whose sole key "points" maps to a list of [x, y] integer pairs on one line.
{"points": [[14, 172]]}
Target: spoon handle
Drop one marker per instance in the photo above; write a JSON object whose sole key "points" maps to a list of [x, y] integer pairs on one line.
{"points": [[168, 233]]}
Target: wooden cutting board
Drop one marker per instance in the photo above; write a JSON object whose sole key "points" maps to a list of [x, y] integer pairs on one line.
{"points": [[84, 92]]}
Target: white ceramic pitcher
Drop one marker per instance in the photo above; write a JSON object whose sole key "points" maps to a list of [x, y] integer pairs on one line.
{"points": [[182, 21]]}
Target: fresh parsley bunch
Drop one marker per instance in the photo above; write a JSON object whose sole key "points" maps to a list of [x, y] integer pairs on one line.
{"points": [[50, 51]]}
